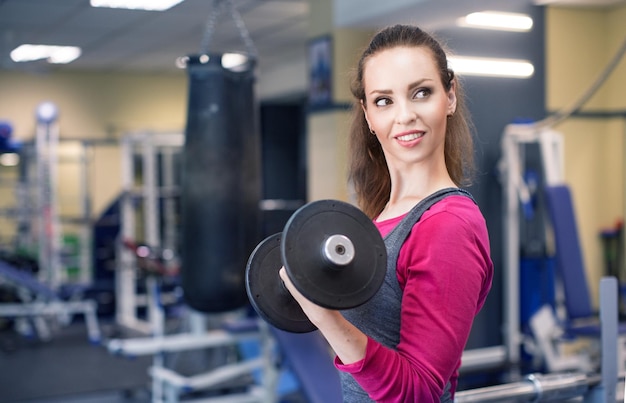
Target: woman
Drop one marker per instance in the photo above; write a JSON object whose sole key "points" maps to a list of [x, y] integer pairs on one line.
{"points": [[410, 143]]}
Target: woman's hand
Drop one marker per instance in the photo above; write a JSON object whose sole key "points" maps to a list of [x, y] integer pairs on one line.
{"points": [[314, 312], [346, 340]]}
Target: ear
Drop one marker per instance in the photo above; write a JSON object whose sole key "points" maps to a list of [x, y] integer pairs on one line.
{"points": [[452, 98], [365, 114]]}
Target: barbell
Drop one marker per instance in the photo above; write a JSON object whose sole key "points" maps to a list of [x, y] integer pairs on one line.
{"points": [[333, 255]]}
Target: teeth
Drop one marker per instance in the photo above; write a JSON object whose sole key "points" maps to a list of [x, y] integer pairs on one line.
{"points": [[409, 137]]}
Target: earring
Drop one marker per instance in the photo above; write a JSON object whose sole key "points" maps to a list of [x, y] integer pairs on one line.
{"points": [[372, 131]]}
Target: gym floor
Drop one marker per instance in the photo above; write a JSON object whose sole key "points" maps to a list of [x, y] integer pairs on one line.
{"points": [[69, 369]]}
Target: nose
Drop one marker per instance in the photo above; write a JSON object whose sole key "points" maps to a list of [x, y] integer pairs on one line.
{"points": [[405, 113]]}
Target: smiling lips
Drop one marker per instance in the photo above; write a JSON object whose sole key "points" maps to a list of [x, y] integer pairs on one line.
{"points": [[409, 136]]}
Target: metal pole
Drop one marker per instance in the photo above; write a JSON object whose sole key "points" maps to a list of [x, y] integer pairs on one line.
{"points": [[47, 137], [535, 388], [85, 247], [606, 390], [511, 247], [125, 277]]}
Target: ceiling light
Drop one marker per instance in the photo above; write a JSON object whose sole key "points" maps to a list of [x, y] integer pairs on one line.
{"points": [[482, 66], [152, 5], [53, 54], [497, 20]]}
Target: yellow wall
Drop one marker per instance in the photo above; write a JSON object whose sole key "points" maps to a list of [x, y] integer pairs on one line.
{"points": [[579, 44], [8, 176], [327, 131], [95, 106], [326, 150]]}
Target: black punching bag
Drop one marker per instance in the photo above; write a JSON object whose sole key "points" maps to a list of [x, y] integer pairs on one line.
{"points": [[221, 178]]}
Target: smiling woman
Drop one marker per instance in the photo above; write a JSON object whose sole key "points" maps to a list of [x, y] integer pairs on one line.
{"points": [[407, 106], [411, 148]]}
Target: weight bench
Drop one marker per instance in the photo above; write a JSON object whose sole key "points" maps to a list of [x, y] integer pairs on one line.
{"points": [[581, 321], [40, 301]]}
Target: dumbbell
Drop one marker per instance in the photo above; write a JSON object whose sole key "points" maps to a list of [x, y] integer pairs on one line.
{"points": [[332, 253]]}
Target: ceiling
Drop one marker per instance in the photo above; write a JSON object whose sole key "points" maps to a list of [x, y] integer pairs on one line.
{"points": [[115, 40]]}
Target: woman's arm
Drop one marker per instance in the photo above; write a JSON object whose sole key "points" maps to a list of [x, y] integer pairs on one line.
{"points": [[348, 342], [444, 270]]}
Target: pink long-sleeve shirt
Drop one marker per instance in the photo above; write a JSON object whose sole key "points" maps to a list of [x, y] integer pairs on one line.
{"points": [[445, 272]]}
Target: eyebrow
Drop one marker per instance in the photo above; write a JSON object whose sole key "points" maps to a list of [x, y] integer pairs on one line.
{"points": [[412, 85]]}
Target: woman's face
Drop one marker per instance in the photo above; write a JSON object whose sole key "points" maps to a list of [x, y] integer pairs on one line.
{"points": [[406, 105]]}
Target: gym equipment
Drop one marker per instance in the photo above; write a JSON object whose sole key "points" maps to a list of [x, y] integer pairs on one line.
{"points": [[333, 254], [221, 187], [39, 301], [582, 319], [514, 138], [7, 142], [220, 221], [267, 294], [221, 182], [49, 226], [536, 388], [150, 198], [46, 299], [516, 194], [592, 387], [544, 324]]}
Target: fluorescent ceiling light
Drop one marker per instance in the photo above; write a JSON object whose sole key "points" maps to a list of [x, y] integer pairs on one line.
{"points": [[497, 20], [482, 66], [152, 5], [53, 54]]}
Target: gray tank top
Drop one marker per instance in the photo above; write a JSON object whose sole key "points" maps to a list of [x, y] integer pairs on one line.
{"points": [[379, 318]]}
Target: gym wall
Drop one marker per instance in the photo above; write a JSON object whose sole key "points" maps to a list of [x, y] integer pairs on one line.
{"points": [[580, 42], [96, 106]]}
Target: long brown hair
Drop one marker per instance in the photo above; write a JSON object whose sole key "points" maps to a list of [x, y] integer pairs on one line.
{"points": [[368, 169]]}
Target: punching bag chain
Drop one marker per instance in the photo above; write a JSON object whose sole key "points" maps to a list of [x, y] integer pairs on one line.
{"points": [[218, 7]]}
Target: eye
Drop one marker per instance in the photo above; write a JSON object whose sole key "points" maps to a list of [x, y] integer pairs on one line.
{"points": [[382, 101], [422, 93]]}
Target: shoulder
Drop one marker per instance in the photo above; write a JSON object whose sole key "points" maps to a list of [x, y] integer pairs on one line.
{"points": [[449, 242], [453, 223], [456, 209], [452, 233]]}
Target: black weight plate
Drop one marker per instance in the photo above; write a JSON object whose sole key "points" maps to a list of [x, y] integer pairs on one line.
{"points": [[329, 285], [267, 294]]}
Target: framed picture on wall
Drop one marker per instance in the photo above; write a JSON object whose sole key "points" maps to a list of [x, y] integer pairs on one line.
{"points": [[320, 71]]}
